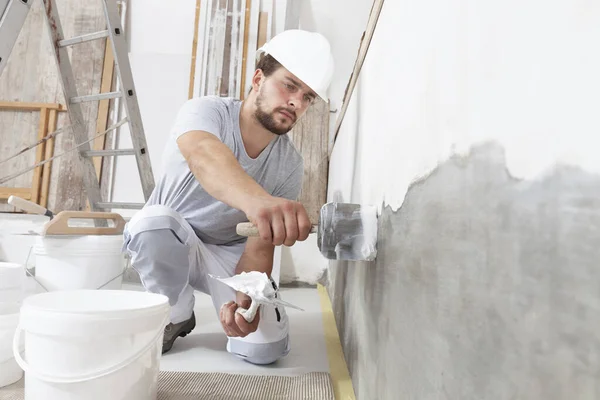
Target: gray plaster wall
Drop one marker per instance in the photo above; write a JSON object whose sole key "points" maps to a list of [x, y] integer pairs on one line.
{"points": [[485, 287]]}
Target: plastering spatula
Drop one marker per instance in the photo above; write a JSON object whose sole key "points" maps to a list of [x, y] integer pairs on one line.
{"points": [[345, 231], [29, 206]]}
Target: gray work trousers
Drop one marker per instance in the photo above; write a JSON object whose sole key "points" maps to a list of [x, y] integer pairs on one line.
{"points": [[173, 261]]}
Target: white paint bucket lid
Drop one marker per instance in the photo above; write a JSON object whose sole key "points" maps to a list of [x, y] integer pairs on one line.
{"points": [[77, 313], [84, 245]]}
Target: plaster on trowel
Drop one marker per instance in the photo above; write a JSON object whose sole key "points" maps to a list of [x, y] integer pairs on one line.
{"points": [[258, 287], [345, 231]]}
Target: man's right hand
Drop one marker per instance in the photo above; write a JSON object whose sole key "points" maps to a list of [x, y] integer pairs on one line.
{"points": [[279, 221]]}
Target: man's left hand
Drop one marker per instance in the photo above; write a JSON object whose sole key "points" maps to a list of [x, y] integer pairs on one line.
{"points": [[233, 323]]}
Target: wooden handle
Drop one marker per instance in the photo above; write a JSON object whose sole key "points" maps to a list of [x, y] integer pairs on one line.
{"points": [[60, 224], [28, 206], [248, 229]]}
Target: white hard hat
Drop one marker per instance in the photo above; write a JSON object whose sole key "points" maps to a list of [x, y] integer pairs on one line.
{"points": [[305, 54]]}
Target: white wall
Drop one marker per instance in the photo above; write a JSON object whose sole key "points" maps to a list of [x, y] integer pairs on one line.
{"points": [[160, 35], [342, 22], [462, 72]]}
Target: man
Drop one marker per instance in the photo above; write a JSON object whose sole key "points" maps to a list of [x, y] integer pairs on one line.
{"points": [[228, 162]]}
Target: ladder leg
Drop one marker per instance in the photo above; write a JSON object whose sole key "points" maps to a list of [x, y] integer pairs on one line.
{"points": [[63, 62], [138, 138]]}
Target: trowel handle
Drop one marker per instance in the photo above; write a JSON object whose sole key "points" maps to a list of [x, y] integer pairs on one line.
{"points": [[29, 206], [248, 229]]}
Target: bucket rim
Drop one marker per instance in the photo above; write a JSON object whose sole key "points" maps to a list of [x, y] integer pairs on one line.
{"points": [[69, 302]]}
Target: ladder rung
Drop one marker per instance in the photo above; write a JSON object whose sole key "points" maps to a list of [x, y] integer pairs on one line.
{"points": [[83, 38], [104, 153], [128, 206], [94, 97]]}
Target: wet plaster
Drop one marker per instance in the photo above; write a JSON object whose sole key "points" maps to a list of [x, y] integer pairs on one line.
{"points": [[485, 287]]}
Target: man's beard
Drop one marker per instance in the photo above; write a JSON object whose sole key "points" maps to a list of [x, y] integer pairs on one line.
{"points": [[268, 121]]}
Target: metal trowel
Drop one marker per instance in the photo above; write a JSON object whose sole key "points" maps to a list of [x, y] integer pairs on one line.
{"points": [[345, 231]]}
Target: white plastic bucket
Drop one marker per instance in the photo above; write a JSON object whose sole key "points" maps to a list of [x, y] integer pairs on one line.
{"points": [[12, 275], [79, 262], [10, 372], [17, 237], [91, 344]]}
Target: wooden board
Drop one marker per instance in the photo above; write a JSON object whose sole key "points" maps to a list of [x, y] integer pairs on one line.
{"points": [[24, 106], [49, 153], [245, 49], [310, 136], [194, 49], [103, 106], [6, 192], [227, 7], [263, 22], [36, 183]]}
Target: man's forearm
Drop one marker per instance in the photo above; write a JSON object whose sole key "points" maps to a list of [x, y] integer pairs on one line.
{"points": [[218, 171], [256, 257]]}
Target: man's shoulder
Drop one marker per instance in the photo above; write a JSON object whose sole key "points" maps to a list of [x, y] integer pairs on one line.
{"points": [[211, 101], [292, 155]]}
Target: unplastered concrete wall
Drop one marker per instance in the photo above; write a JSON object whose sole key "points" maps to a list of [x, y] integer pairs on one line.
{"points": [[473, 129]]}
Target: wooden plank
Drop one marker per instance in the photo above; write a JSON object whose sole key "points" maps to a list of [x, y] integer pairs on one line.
{"points": [[25, 106], [360, 59], [103, 105], [227, 6], [245, 49], [39, 154], [6, 192], [194, 50], [310, 138], [49, 153], [263, 22]]}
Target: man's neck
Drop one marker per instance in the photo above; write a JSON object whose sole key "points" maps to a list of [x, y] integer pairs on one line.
{"points": [[255, 137]]}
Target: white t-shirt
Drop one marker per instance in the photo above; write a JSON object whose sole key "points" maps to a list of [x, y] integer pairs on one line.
{"points": [[278, 169]]}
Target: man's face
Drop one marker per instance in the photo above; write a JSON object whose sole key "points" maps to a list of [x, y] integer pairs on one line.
{"points": [[281, 100]]}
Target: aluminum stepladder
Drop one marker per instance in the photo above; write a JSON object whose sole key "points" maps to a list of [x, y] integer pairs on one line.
{"points": [[12, 18]]}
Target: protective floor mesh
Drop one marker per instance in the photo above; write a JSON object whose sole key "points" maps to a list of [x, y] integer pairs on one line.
{"points": [[224, 386]]}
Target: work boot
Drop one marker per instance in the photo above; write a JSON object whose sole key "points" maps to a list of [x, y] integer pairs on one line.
{"points": [[173, 331]]}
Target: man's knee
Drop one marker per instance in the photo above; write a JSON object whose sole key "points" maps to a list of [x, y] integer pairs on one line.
{"points": [[158, 246], [259, 353]]}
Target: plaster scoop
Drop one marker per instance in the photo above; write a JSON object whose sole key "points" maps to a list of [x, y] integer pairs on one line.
{"points": [[345, 231], [258, 287]]}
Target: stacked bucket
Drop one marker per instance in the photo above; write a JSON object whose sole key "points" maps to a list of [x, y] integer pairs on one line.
{"points": [[12, 292]]}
